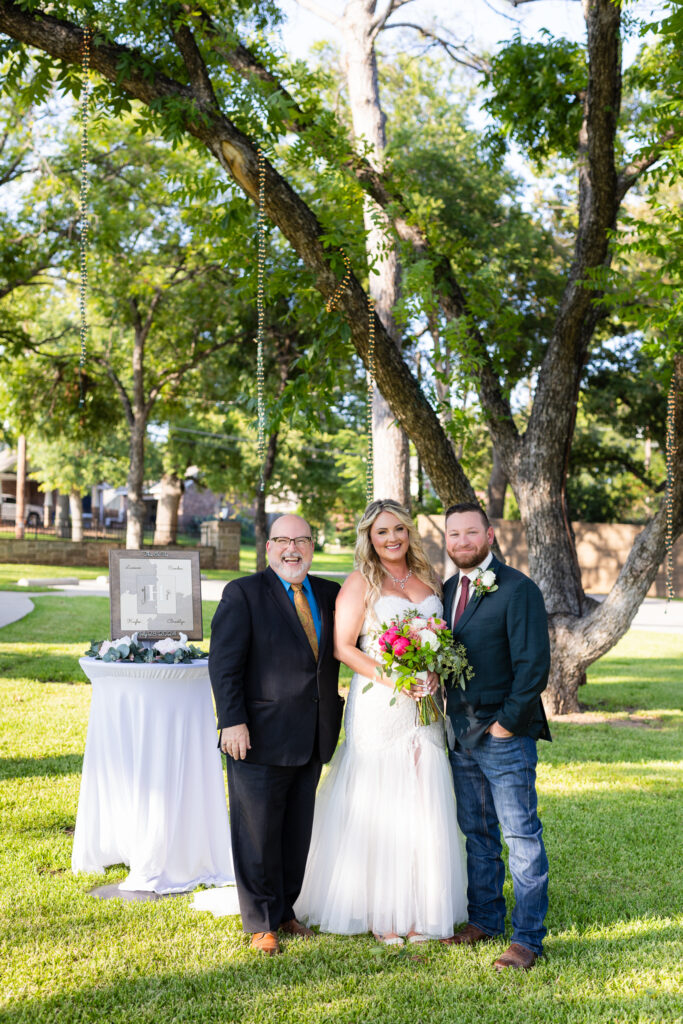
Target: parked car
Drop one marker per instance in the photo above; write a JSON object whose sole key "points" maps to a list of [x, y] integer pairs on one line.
{"points": [[33, 514]]}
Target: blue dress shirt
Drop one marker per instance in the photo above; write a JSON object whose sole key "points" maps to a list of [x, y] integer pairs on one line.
{"points": [[308, 591]]}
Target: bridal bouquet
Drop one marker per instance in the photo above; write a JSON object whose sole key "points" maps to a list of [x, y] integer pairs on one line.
{"points": [[412, 646]]}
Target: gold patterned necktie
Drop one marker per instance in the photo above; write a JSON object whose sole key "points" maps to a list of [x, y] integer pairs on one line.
{"points": [[303, 610]]}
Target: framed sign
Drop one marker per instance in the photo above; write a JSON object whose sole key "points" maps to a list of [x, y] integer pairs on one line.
{"points": [[155, 594]]}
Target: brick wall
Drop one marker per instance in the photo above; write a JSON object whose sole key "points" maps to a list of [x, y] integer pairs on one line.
{"points": [[66, 552]]}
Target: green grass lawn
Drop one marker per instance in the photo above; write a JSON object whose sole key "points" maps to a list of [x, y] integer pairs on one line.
{"points": [[611, 801]]}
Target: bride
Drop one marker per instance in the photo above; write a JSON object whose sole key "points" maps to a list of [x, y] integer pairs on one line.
{"points": [[386, 855]]}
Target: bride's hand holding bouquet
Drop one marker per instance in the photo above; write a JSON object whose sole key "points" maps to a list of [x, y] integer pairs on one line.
{"points": [[411, 647]]}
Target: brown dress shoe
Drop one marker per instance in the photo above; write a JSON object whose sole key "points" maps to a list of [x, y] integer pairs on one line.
{"points": [[470, 935], [516, 956], [295, 927], [265, 942]]}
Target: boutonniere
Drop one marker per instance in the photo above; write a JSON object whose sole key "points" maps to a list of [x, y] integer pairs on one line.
{"points": [[484, 582]]}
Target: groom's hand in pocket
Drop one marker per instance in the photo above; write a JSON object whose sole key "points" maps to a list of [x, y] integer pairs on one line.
{"points": [[499, 731]]}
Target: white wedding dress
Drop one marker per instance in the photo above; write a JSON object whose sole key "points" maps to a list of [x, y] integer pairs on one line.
{"points": [[386, 854]]}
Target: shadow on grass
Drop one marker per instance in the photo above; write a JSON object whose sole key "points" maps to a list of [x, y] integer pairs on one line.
{"points": [[607, 744], [340, 981], [26, 767]]}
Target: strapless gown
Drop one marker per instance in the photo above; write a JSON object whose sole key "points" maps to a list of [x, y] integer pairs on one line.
{"points": [[386, 853]]}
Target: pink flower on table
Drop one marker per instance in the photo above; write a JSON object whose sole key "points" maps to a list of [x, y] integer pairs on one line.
{"points": [[400, 645]]}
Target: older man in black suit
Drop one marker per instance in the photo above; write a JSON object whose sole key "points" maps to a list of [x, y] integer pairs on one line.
{"points": [[275, 679], [499, 615]]}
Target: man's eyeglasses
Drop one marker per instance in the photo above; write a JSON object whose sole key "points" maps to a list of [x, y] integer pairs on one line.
{"points": [[284, 542]]}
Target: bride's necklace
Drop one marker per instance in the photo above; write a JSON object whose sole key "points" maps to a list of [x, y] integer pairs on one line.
{"points": [[402, 582]]}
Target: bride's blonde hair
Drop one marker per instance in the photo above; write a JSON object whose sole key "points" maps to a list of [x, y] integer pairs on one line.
{"points": [[367, 560]]}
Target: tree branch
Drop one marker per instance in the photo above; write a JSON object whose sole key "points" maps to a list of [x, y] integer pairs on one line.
{"points": [[452, 50], [123, 394], [577, 315], [166, 377], [196, 68], [630, 174], [315, 8], [378, 23]]}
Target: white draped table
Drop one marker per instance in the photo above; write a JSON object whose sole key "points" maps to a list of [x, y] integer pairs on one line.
{"points": [[152, 792]]}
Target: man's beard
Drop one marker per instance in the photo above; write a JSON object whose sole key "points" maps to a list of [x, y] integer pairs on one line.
{"points": [[474, 558]]}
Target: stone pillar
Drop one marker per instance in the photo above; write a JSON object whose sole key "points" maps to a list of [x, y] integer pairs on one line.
{"points": [[21, 488], [48, 509], [224, 536], [62, 524]]}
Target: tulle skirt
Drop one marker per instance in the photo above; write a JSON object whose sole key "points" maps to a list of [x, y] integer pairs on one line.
{"points": [[386, 853]]}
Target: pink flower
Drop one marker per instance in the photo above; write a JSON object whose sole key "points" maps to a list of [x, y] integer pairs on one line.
{"points": [[436, 623], [387, 638], [400, 645]]}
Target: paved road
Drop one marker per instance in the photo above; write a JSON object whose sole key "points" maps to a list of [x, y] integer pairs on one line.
{"points": [[654, 614]]}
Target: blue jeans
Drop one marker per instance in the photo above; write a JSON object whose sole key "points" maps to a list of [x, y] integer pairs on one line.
{"points": [[495, 785]]}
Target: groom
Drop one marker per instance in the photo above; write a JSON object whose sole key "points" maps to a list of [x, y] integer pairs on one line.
{"points": [[499, 615], [274, 678]]}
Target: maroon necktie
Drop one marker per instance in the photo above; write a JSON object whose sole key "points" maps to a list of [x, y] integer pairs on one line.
{"points": [[462, 600]]}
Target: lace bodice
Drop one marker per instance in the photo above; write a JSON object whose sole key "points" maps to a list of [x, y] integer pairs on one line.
{"points": [[371, 721]]}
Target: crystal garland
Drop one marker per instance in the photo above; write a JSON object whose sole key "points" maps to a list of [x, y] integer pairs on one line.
{"points": [[83, 212], [670, 448], [260, 318]]}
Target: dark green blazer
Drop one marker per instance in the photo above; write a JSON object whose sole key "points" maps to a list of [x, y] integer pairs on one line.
{"points": [[505, 634]]}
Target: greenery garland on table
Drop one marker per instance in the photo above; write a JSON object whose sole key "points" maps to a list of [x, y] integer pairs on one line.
{"points": [[126, 648]]}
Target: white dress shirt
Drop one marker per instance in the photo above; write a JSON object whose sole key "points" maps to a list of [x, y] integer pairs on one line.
{"points": [[471, 575]]}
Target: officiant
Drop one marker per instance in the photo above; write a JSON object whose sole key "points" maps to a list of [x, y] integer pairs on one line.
{"points": [[275, 683]]}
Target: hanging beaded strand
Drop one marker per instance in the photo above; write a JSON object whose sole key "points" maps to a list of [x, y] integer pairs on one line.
{"points": [[260, 318], [369, 468], [329, 306], [670, 447], [83, 213]]}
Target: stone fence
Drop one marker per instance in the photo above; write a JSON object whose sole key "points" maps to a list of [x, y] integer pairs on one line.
{"points": [[602, 549], [220, 549]]}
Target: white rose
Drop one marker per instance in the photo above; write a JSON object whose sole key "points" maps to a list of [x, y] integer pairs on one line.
{"points": [[168, 645], [419, 623], [105, 646], [428, 637], [488, 578], [122, 641]]}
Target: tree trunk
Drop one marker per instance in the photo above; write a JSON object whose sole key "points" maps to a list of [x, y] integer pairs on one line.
{"points": [[567, 673], [498, 484], [138, 413], [21, 488], [166, 530], [76, 512], [135, 506], [391, 452], [62, 526]]}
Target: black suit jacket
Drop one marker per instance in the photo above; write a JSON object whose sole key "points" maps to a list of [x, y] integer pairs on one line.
{"points": [[264, 673], [505, 634]]}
